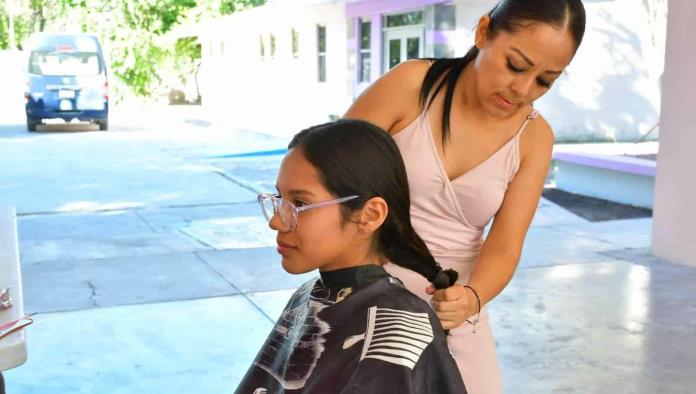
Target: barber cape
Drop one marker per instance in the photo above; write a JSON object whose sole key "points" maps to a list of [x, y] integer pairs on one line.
{"points": [[355, 330]]}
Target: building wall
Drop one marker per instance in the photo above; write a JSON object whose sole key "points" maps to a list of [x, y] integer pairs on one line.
{"points": [[280, 94], [674, 215], [611, 89], [12, 80], [609, 92], [468, 15]]}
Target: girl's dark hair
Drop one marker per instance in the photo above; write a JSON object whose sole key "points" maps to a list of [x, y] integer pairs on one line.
{"points": [[508, 16], [354, 157]]}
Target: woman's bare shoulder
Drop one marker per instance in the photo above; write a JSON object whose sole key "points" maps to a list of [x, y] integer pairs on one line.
{"points": [[411, 72], [538, 138], [541, 127], [393, 97]]}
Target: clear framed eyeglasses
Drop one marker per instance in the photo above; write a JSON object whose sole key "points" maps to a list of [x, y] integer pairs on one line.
{"points": [[272, 204]]}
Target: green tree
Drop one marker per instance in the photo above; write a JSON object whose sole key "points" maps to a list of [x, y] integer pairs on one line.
{"points": [[133, 32], [154, 16], [29, 16], [231, 6], [138, 47]]}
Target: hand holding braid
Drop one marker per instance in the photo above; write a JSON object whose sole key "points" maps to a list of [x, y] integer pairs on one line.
{"points": [[455, 305], [444, 278]]}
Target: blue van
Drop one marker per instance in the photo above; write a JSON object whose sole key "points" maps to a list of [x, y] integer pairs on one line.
{"points": [[66, 79]]}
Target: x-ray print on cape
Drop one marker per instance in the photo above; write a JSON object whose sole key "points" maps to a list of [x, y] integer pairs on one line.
{"points": [[373, 336]]}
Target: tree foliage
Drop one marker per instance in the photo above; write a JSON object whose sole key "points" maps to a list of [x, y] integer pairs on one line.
{"points": [[231, 6], [134, 33], [154, 16], [138, 40]]}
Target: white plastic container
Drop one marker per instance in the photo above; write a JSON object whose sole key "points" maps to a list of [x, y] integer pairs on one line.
{"points": [[13, 348]]}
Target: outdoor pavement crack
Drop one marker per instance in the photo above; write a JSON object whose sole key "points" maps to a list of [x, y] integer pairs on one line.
{"points": [[130, 209], [243, 294], [92, 296], [137, 212], [195, 239], [236, 182]]}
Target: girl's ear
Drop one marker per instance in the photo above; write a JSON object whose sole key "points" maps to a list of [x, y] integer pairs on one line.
{"points": [[373, 214], [482, 31]]}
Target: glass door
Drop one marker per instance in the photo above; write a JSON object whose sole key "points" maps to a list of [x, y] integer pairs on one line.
{"points": [[402, 44], [403, 38]]}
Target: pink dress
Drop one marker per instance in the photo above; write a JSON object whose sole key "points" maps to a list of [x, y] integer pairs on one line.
{"points": [[451, 216]]}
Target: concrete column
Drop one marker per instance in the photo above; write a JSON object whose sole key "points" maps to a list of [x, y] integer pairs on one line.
{"points": [[674, 215]]}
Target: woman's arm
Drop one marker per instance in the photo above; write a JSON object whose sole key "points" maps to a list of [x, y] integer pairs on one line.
{"points": [[393, 98], [502, 248]]}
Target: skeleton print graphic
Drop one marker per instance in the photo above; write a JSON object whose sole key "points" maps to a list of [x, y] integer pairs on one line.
{"points": [[296, 342]]}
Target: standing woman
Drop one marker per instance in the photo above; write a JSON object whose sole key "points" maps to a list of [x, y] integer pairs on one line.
{"points": [[475, 150]]}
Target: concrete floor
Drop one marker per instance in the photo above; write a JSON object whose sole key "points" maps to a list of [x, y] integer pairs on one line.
{"points": [[589, 311], [158, 275]]}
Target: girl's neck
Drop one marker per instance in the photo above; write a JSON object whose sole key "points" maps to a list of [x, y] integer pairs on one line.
{"points": [[353, 277], [353, 261]]}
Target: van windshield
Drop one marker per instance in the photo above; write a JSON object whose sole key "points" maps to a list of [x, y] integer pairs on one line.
{"points": [[64, 63]]}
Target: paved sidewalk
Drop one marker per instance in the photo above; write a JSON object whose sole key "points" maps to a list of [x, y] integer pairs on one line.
{"points": [[152, 271], [589, 311]]}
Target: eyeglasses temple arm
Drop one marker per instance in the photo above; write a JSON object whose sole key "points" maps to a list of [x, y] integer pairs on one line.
{"points": [[324, 203]]}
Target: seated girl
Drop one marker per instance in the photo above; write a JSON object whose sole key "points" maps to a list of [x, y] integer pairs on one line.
{"points": [[343, 207]]}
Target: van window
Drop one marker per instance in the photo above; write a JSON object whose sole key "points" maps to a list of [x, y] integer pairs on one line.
{"points": [[64, 63]]}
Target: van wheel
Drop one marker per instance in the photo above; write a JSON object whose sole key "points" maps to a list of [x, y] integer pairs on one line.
{"points": [[103, 124], [31, 124]]}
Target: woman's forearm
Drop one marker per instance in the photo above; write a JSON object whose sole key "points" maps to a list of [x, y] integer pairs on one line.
{"points": [[493, 272]]}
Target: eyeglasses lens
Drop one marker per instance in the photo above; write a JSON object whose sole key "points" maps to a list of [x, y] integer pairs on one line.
{"points": [[267, 206], [286, 213], [272, 205]]}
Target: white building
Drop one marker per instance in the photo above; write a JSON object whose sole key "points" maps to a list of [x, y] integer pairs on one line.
{"points": [[294, 63]]}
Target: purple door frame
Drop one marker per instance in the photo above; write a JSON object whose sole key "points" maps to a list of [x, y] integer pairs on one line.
{"points": [[374, 10], [379, 7]]}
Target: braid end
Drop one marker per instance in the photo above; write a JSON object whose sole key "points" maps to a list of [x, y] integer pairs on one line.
{"points": [[445, 278]]}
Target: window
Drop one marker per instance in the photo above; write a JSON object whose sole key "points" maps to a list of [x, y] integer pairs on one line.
{"points": [[262, 47], [394, 53], [365, 57], [222, 48], [273, 46], [55, 63], [295, 43], [409, 18], [321, 52], [412, 48], [445, 18]]}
